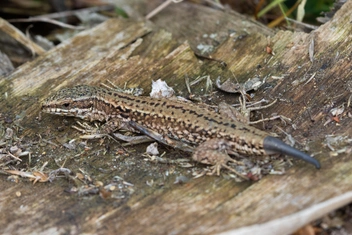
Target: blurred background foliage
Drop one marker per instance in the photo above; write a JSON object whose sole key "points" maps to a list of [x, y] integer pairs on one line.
{"points": [[264, 10], [269, 11], [50, 22]]}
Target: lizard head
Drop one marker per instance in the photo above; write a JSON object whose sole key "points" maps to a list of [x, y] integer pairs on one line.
{"points": [[78, 102]]}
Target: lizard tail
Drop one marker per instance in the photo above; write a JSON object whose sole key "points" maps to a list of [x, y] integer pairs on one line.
{"points": [[274, 145]]}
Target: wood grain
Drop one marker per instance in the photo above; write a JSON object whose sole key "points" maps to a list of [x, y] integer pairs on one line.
{"points": [[138, 52]]}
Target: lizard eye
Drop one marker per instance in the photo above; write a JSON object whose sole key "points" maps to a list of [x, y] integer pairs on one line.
{"points": [[66, 104]]}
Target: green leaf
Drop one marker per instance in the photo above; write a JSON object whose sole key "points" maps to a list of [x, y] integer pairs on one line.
{"points": [[271, 5], [119, 11]]}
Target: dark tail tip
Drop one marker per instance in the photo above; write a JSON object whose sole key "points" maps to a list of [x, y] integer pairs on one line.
{"points": [[272, 144]]}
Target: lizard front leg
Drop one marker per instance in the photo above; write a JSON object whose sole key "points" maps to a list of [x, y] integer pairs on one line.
{"points": [[110, 128]]}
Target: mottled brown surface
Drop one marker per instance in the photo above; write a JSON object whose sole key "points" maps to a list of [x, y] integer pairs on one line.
{"points": [[206, 205]]}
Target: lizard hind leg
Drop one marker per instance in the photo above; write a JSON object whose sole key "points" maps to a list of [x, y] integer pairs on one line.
{"points": [[214, 152]]}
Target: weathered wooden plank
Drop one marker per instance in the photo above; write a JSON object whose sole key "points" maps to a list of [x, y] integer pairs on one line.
{"points": [[76, 56], [137, 52]]}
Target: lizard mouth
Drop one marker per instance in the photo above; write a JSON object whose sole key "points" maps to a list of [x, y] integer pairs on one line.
{"points": [[58, 111]]}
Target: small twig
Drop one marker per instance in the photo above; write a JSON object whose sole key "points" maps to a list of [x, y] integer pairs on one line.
{"points": [[69, 13], [13, 156], [43, 166], [215, 4], [50, 142], [310, 79], [188, 85], [20, 37], [303, 24], [48, 20], [161, 7]]}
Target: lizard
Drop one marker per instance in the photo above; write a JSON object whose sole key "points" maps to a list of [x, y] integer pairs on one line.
{"points": [[209, 135]]}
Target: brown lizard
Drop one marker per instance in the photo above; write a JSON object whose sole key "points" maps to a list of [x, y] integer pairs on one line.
{"points": [[182, 125]]}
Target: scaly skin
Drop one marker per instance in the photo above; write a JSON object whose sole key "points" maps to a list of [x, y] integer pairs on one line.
{"points": [[182, 122]]}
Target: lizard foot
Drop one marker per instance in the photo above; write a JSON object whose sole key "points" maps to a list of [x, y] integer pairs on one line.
{"points": [[214, 152]]}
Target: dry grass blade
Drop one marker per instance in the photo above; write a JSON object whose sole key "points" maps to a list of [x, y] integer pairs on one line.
{"points": [[48, 20], [20, 37], [68, 13], [161, 7]]}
